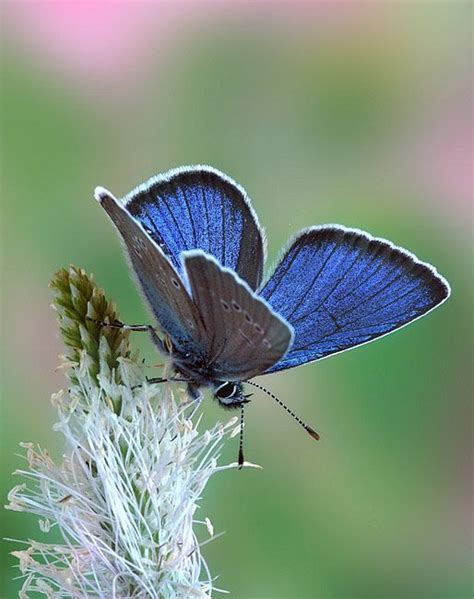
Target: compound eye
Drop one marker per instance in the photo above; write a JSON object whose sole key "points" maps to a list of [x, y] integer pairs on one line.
{"points": [[226, 390]]}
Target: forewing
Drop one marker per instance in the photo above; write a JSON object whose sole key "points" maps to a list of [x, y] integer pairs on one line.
{"points": [[341, 287], [161, 284], [201, 208], [244, 335]]}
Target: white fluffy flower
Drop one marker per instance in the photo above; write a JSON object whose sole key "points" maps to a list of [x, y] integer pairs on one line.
{"points": [[125, 495]]}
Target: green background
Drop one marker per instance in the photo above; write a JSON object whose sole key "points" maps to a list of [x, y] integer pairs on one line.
{"points": [[353, 113]]}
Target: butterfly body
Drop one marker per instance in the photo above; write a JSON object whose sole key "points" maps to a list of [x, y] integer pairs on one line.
{"points": [[198, 252], [194, 371]]}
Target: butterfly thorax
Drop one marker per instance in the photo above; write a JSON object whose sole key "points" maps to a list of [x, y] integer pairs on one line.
{"points": [[193, 368], [229, 394]]}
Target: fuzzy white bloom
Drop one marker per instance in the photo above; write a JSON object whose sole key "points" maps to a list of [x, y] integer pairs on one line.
{"points": [[126, 493]]}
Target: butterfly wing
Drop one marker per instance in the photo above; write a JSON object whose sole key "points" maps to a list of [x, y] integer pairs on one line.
{"points": [[244, 335], [201, 208], [341, 287], [161, 284]]}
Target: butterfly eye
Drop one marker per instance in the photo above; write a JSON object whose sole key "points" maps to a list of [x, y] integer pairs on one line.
{"points": [[226, 390], [267, 343], [175, 283], [248, 318], [236, 306], [258, 328]]}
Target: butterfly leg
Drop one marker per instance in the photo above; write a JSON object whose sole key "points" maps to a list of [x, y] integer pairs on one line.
{"points": [[141, 328], [163, 380], [117, 324], [158, 380]]}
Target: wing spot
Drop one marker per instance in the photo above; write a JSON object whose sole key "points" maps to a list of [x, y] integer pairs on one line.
{"points": [[236, 306], [245, 338], [225, 305], [258, 328], [248, 318], [149, 231], [175, 283], [267, 343]]}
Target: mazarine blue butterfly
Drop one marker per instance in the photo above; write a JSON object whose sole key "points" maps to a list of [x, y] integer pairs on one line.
{"points": [[198, 252]]}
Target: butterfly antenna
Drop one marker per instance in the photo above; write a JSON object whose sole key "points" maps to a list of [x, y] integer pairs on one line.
{"points": [[306, 427], [241, 437]]}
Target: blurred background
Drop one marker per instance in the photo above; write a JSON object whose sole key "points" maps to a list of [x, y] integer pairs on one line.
{"points": [[354, 113]]}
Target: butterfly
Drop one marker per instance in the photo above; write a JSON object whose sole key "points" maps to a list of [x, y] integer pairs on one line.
{"points": [[198, 253]]}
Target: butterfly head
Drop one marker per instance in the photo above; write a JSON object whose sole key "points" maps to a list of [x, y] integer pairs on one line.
{"points": [[230, 394]]}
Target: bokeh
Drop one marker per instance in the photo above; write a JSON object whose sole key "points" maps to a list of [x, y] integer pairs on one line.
{"points": [[327, 112]]}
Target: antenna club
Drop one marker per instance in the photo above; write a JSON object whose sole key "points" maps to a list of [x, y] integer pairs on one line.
{"points": [[241, 458], [303, 424], [312, 432]]}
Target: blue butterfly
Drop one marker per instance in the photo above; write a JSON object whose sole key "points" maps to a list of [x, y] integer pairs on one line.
{"points": [[198, 253]]}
